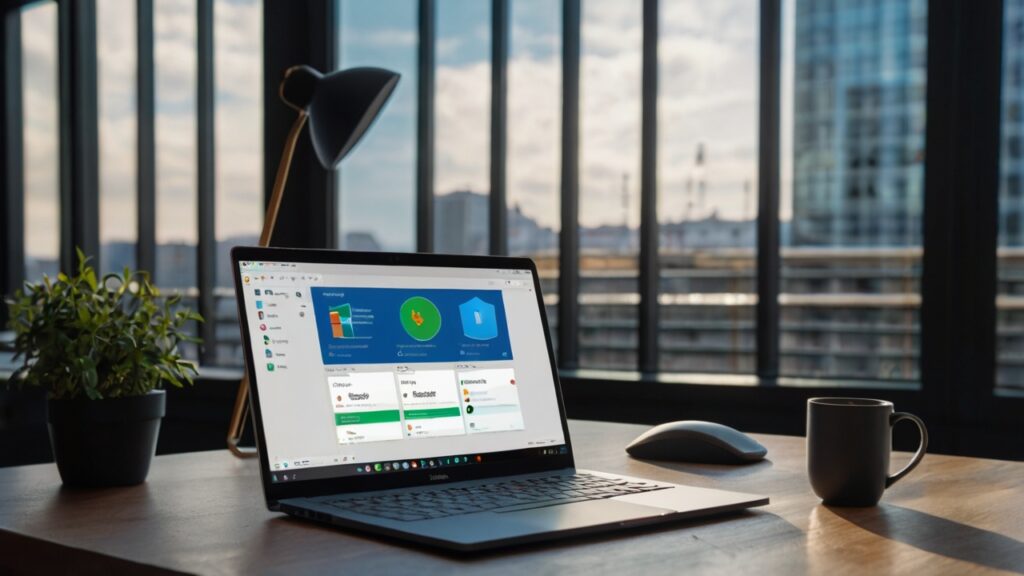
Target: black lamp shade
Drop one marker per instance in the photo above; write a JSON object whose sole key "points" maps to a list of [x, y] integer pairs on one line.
{"points": [[341, 105]]}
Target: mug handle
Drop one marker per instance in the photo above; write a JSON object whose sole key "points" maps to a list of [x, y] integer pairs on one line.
{"points": [[893, 419]]}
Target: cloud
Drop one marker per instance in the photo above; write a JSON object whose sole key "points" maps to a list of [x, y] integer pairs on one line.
{"points": [[116, 63], [708, 84], [708, 96], [41, 121]]}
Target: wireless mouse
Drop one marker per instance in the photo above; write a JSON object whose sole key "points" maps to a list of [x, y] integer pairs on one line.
{"points": [[697, 441]]}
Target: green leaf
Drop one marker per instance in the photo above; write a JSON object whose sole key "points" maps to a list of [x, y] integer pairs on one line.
{"points": [[82, 338]]}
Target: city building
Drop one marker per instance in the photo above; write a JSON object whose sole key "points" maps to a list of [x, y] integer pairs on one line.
{"points": [[859, 80]]}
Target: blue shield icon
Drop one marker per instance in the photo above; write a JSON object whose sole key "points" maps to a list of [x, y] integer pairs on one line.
{"points": [[478, 319]]}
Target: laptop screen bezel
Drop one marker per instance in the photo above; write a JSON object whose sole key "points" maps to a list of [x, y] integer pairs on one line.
{"points": [[275, 492]]}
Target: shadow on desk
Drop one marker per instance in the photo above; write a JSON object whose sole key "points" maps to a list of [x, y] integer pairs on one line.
{"points": [[632, 548], [938, 535]]}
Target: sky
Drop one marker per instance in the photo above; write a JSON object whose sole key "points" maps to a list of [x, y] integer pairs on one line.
{"points": [[707, 100], [238, 74]]}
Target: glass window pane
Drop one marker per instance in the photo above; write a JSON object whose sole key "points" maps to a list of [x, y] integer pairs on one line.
{"points": [[853, 171], [174, 27], [462, 127], [533, 164], [116, 63], [1010, 295], [238, 66], [610, 74], [174, 24], [41, 139], [707, 182], [381, 170]]}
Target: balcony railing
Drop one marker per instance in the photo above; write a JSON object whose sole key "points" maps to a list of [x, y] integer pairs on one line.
{"points": [[832, 331]]}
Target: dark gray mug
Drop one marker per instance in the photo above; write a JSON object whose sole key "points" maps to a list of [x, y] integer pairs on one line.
{"points": [[848, 446]]}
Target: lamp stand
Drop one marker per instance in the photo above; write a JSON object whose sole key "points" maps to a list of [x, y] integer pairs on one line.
{"points": [[240, 414]]}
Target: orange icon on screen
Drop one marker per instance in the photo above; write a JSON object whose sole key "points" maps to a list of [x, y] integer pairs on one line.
{"points": [[465, 392], [409, 426], [417, 318]]}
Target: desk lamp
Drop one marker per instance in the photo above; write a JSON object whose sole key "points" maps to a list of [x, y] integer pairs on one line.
{"points": [[339, 107]]}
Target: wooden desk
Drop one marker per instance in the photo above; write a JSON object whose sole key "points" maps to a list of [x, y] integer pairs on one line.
{"points": [[203, 513]]}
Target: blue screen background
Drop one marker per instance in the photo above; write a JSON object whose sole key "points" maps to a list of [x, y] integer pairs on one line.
{"points": [[383, 340]]}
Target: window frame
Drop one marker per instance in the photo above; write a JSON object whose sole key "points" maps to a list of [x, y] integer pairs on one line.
{"points": [[957, 389]]}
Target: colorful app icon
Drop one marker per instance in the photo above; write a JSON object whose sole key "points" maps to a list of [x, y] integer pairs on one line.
{"points": [[270, 366], [268, 353], [420, 318], [260, 313], [245, 279], [377, 467], [259, 304], [257, 291], [341, 321], [266, 339], [479, 321]]}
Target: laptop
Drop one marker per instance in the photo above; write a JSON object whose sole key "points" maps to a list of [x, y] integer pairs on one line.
{"points": [[416, 396]]}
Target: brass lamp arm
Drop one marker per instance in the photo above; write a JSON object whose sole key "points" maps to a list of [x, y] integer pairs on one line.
{"points": [[241, 411]]}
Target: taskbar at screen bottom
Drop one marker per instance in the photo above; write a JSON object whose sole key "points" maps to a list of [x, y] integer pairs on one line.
{"points": [[411, 465]]}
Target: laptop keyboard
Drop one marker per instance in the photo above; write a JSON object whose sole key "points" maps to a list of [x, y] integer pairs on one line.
{"points": [[500, 496]]}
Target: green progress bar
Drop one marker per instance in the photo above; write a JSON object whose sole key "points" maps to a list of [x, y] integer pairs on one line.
{"points": [[432, 413], [371, 417]]}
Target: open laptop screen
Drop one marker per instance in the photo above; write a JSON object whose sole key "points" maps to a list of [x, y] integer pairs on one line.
{"points": [[373, 369]]}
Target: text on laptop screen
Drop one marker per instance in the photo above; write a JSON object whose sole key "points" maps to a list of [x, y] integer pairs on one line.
{"points": [[361, 369]]}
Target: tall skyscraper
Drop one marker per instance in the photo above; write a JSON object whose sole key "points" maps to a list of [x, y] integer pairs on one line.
{"points": [[860, 72], [1011, 161]]}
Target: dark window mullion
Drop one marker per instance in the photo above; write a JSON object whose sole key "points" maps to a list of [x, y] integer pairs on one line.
{"points": [[205, 189], [425, 127], [961, 212], [296, 32], [499, 124], [146, 152], [330, 27], [12, 181], [569, 247], [79, 133], [768, 260], [649, 266]]}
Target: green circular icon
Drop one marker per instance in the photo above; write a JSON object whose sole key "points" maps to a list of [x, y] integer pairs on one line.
{"points": [[420, 318]]}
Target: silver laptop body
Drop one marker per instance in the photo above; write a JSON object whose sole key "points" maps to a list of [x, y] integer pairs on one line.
{"points": [[416, 396]]}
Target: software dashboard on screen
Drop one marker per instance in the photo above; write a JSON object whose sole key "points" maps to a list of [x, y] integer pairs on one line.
{"points": [[362, 369]]}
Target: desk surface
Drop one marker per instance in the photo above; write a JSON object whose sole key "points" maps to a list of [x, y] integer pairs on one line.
{"points": [[203, 513]]}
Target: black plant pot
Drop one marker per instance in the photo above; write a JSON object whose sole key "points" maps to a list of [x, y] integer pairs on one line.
{"points": [[106, 442]]}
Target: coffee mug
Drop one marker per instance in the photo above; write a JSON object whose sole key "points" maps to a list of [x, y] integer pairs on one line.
{"points": [[848, 446]]}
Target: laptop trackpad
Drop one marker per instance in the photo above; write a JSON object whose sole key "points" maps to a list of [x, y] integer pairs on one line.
{"points": [[579, 514]]}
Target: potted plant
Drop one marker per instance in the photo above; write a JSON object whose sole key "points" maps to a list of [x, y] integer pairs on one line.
{"points": [[103, 350]]}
